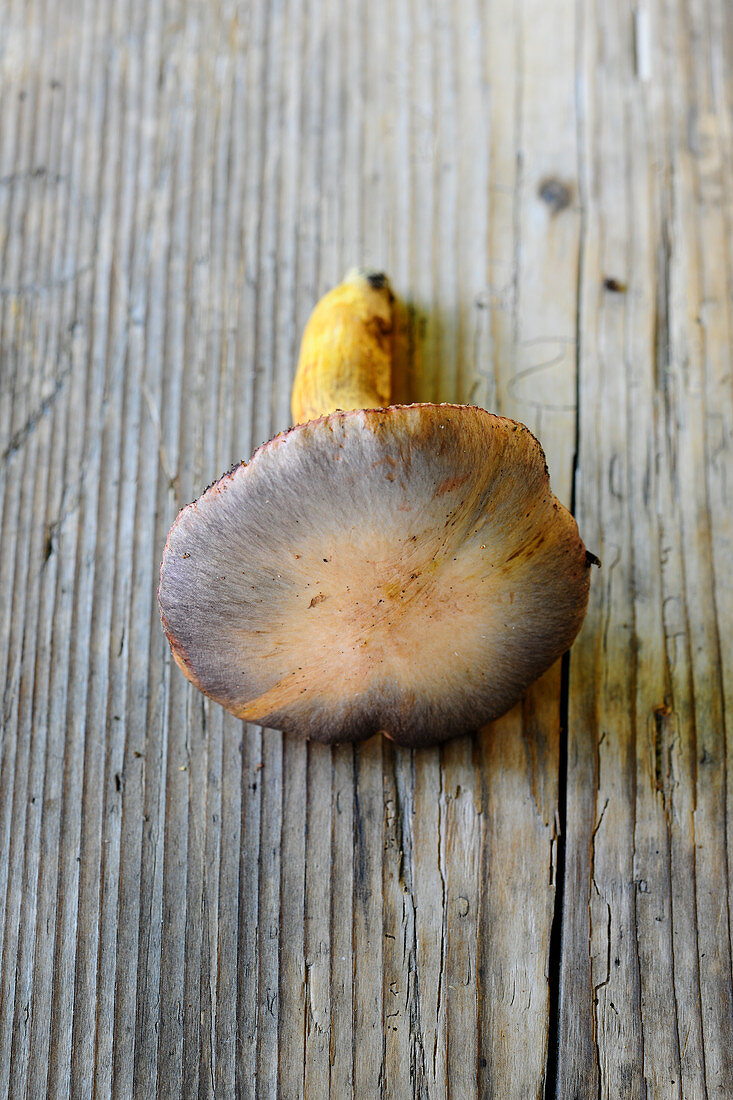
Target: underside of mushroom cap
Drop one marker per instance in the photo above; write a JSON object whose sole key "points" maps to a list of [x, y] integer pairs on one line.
{"points": [[404, 570]]}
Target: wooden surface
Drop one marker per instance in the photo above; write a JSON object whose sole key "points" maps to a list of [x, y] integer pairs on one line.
{"points": [[191, 907]]}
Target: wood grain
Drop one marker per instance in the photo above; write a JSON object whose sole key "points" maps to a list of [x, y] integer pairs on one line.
{"points": [[189, 906], [646, 972]]}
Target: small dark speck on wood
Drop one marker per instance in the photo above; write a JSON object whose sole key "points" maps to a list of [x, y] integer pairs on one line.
{"points": [[556, 194]]}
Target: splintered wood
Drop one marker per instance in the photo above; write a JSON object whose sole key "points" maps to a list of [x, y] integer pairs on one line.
{"points": [[189, 906]]}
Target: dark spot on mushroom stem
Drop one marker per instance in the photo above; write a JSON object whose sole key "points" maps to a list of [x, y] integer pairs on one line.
{"points": [[614, 285], [555, 193], [591, 559]]}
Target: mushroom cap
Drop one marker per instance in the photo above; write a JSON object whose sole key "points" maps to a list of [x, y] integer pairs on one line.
{"points": [[404, 570]]}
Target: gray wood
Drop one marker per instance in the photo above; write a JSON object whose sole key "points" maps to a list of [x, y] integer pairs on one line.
{"points": [[189, 906], [646, 946]]}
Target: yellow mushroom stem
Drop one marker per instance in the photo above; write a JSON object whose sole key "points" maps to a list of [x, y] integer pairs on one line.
{"points": [[346, 352]]}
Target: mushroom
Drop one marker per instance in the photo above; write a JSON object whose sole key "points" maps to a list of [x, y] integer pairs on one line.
{"points": [[403, 569]]}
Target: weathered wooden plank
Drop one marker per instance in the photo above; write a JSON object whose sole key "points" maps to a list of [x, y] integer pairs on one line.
{"points": [[28, 442], [318, 888], [226, 299], [119, 780], [403, 1056], [104, 777], [646, 979], [428, 900], [530, 300], [368, 934], [700, 305], [77, 694], [293, 987], [342, 923], [247, 946]]}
